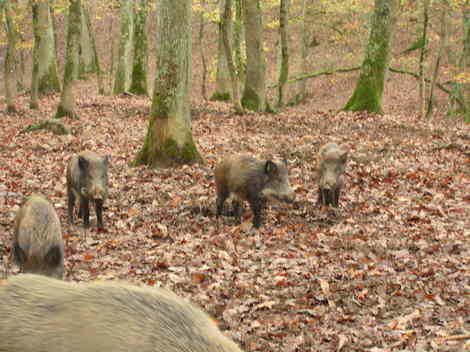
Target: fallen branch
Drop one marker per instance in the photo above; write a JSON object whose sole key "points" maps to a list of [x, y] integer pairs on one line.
{"points": [[455, 338], [53, 125]]}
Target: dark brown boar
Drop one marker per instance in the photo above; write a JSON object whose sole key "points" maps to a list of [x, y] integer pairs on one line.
{"points": [[87, 180], [43, 314], [255, 181], [37, 245], [332, 162]]}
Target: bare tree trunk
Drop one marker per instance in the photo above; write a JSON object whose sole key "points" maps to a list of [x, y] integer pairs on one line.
{"points": [[442, 45], [201, 50], [254, 94], [422, 59], [224, 19], [67, 100], [96, 63], [121, 82], [169, 139], [284, 62], [222, 79], [139, 67], [302, 85], [45, 77], [11, 60]]}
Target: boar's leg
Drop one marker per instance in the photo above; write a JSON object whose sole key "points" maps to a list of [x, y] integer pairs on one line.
{"points": [[71, 204], [237, 209], [220, 202], [99, 213], [53, 257], [336, 197], [85, 210], [19, 256], [257, 206]]}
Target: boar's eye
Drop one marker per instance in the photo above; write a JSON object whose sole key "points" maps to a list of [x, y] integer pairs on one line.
{"points": [[270, 167]]}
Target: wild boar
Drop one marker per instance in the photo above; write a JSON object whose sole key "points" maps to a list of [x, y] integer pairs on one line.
{"points": [[37, 245], [87, 180], [332, 162], [255, 181], [43, 314]]}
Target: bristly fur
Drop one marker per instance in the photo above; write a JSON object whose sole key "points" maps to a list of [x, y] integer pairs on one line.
{"points": [[87, 180], [255, 181], [42, 314], [331, 163], [37, 245]]}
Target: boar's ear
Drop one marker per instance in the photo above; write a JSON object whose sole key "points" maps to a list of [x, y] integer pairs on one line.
{"points": [[54, 256], [270, 167], [82, 162], [344, 157], [284, 160], [19, 256]]}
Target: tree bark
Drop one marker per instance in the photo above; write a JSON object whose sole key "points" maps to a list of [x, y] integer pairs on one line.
{"points": [[369, 88], [45, 77], [302, 85], [87, 59], [140, 63], [169, 139], [254, 94], [234, 78], [422, 59], [11, 59], [284, 50], [222, 79], [96, 63], [67, 100], [121, 82]]}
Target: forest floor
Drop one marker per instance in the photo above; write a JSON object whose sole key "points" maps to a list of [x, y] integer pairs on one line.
{"points": [[389, 270]]}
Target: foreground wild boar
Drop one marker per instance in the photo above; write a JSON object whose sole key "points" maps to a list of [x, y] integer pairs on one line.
{"points": [[332, 161], [43, 314], [252, 180], [87, 180], [37, 245]]}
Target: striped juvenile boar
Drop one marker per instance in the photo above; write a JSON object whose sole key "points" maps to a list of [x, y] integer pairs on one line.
{"points": [[37, 245], [332, 161], [255, 181], [87, 180], [43, 314]]}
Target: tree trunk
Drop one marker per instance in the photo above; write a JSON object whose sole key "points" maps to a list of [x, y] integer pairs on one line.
{"points": [[422, 59], [45, 77], [96, 63], [67, 100], [225, 18], [121, 82], [254, 94], [284, 50], [169, 139], [139, 67], [11, 59], [302, 85], [369, 88], [222, 79], [238, 35], [202, 50], [88, 60], [442, 45]]}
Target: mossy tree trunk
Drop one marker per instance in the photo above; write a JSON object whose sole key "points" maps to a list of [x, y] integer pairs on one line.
{"points": [[254, 93], [370, 85], [169, 139], [67, 100], [422, 59], [139, 67], [238, 42], [226, 17], [222, 79], [121, 81], [11, 59], [284, 50], [45, 77]]}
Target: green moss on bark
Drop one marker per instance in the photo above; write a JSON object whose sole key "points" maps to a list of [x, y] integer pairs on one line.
{"points": [[251, 100], [217, 96]]}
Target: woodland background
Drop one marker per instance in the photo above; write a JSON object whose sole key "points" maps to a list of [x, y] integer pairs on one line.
{"points": [[389, 270]]}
